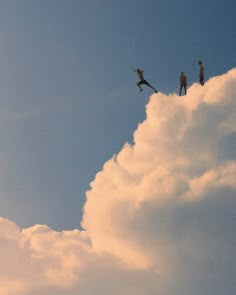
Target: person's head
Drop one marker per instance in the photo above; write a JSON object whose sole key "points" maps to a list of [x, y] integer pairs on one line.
{"points": [[200, 62], [138, 70]]}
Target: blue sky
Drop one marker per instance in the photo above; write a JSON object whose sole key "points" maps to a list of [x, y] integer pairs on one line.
{"points": [[68, 99]]}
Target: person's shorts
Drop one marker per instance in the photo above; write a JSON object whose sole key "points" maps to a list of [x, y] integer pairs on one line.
{"points": [[143, 82]]}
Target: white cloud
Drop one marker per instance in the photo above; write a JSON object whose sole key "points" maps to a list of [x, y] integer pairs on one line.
{"points": [[160, 215]]}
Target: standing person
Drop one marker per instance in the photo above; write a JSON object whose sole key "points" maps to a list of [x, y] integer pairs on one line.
{"points": [[183, 83], [142, 80], [201, 72]]}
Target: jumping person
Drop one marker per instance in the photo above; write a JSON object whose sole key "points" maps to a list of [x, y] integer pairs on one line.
{"points": [[201, 73], [142, 80], [183, 83]]}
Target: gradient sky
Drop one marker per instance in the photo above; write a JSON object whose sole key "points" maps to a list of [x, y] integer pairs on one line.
{"points": [[68, 99]]}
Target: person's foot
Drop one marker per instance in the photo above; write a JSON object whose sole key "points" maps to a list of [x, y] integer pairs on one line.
{"points": [[156, 91], [140, 90]]}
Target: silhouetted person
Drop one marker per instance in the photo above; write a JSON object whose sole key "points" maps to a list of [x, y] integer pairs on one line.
{"points": [[201, 73], [183, 83], [142, 80]]}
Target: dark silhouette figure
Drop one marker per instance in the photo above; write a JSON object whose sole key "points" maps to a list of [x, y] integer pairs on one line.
{"points": [[183, 83], [201, 73], [142, 80]]}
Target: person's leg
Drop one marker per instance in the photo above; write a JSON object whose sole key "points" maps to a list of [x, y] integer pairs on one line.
{"points": [[138, 84], [185, 89], [153, 88], [146, 82], [180, 89], [201, 79]]}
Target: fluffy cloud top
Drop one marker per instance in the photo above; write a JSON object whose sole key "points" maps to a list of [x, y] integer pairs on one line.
{"points": [[159, 217]]}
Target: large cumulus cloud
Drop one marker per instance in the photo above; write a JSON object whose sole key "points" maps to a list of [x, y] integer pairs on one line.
{"points": [[159, 217]]}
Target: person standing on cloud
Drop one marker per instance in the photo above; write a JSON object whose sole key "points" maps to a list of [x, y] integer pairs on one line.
{"points": [[142, 80], [183, 83], [201, 73]]}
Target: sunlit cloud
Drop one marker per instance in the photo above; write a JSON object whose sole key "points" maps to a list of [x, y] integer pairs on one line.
{"points": [[159, 217]]}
